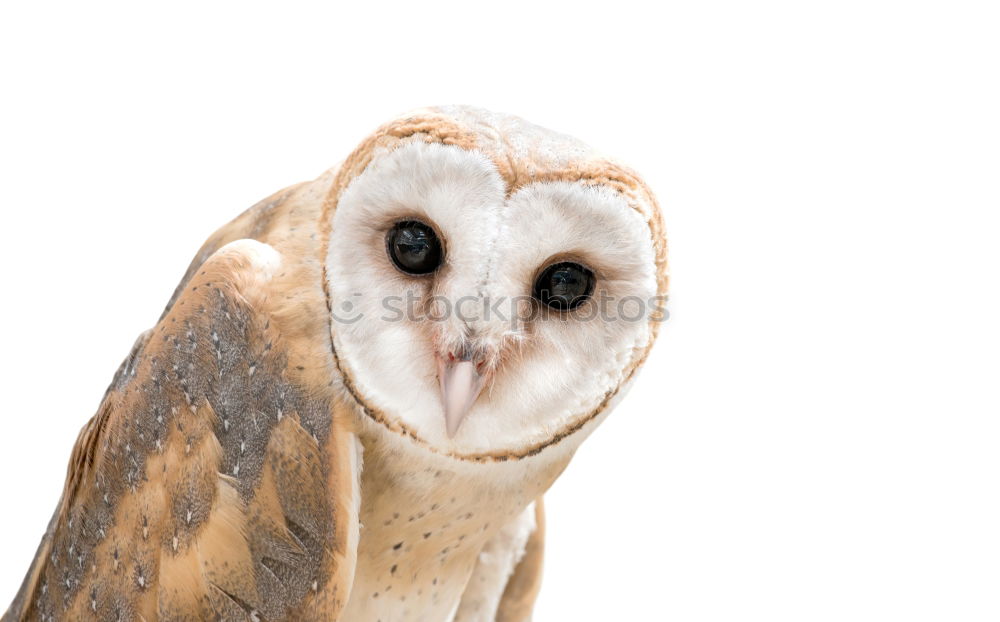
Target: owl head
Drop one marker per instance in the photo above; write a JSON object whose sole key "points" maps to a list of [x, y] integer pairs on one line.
{"points": [[494, 286]]}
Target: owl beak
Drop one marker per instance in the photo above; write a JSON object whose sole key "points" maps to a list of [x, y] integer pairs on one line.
{"points": [[460, 386]]}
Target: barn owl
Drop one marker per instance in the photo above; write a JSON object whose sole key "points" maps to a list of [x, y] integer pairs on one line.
{"points": [[362, 387]]}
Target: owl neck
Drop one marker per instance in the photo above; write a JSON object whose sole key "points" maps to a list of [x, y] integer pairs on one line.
{"points": [[427, 490]]}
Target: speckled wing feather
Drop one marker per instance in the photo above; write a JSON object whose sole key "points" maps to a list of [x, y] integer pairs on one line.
{"points": [[518, 600], [218, 478]]}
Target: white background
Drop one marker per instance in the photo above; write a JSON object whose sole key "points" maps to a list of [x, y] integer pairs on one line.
{"points": [[816, 435]]}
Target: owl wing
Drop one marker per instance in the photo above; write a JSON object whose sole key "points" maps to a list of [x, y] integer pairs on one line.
{"points": [[508, 573], [518, 599], [218, 479]]}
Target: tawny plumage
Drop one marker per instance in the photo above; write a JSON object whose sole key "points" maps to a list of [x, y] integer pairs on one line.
{"points": [[260, 456]]}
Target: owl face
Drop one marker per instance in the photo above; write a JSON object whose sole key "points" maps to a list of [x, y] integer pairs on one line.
{"points": [[479, 320]]}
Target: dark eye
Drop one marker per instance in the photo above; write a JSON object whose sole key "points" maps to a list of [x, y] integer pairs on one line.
{"points": [[564, 285], [414, 247]]}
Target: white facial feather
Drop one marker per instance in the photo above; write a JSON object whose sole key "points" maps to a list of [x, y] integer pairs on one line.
{"points": [[553, 369]]}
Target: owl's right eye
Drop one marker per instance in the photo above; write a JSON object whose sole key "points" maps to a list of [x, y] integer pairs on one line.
{"points": [[414, 247]]}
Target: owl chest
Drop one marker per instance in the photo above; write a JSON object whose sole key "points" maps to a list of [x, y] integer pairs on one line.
{"points": [[422, 529]]}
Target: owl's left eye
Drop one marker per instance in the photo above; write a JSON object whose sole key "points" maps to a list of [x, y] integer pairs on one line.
{"points": [[414, 247], [564, 286]]}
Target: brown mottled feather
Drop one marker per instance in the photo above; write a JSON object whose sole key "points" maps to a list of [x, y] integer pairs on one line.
{"points": [[217, 479]]}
